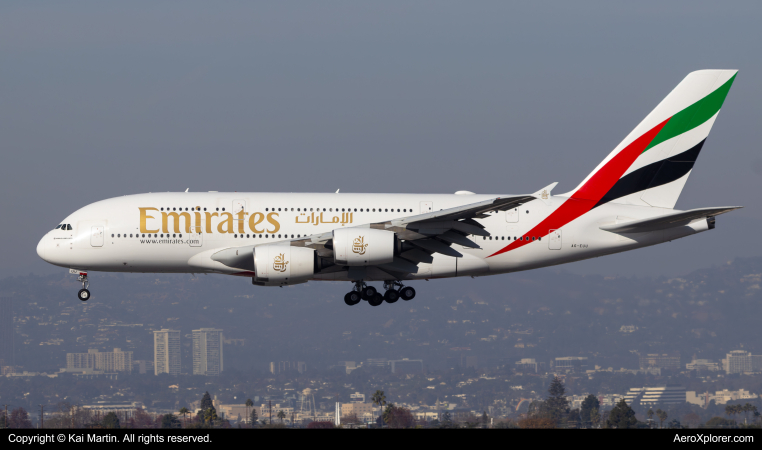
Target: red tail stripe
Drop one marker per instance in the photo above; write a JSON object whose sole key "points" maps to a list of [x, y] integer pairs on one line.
{"points": [[586, 197]]}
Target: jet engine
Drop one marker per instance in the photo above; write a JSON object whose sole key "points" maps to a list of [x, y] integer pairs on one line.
{"points": [[363, 246], [279, 265]]}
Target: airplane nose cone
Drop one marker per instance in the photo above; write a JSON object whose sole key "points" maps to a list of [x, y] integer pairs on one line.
{"points": [[41, 248]]}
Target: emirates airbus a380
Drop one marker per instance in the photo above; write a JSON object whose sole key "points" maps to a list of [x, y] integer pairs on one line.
{"points": [[281, 239]]}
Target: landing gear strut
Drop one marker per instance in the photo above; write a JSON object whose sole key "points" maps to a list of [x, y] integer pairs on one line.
{"points": [[84, 293], [394, 290], [362, 291]]}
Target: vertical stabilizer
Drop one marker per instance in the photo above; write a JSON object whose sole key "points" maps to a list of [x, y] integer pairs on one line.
{"points": [[651, 165]]}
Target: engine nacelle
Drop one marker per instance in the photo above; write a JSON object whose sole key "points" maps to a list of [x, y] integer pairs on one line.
{"points": [[279, 265], [363, 246]]}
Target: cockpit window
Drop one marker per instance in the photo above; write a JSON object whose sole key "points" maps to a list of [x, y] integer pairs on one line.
{"points": [[68, 226], [59, 226]]}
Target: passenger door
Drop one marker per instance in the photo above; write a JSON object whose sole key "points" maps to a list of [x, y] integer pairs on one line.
{"points": [[96, 236], [427, 207]]}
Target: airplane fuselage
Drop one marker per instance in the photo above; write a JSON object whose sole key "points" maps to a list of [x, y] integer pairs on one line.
{"points": [[177, 232]]}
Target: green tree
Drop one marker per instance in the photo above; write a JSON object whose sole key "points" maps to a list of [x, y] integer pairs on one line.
{"points": [[595, 417], [378, 398], [621, 416], [556, 406], [446, 420], [588, 405], [387, 414], [281, 415], [184, 411], [650, 415], [249, 404], [573, 419], [485, 419], [662, 415], [206, 401], [169, 421], [210, 416], [111, 420], [253, 417]]}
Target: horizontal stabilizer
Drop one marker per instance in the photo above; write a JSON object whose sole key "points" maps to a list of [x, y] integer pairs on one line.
{"points": [[670, 220]]}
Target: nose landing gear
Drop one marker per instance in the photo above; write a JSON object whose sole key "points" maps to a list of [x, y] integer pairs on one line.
{"points": [[84, 293]]}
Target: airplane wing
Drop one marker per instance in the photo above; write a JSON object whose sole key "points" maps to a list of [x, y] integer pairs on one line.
{"points": [[422, 235], [670, 220]]}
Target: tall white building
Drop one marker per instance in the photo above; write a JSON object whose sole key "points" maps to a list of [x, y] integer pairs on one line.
{"points": [[166, 352], [207, 351], [740, 361]]}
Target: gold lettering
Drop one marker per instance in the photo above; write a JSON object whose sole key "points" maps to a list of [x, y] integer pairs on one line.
{"points": [[253, 222], [176, 221], [209, 226], [273, 222], [240, 215], [144, 217], [197, 228], [228, 220]]}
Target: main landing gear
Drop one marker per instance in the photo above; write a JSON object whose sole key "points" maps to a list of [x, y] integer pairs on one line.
{"points": [[84, 293], [361, 291]]}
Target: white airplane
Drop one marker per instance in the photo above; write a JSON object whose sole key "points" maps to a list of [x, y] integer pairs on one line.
{"points": [[281, 239]]}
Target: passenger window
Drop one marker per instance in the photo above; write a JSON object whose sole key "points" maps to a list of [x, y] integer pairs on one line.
{"points": [[112, 235]]}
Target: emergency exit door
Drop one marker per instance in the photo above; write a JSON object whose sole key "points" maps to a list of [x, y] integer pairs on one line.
{"points": [[512, 215], [554, 240]]}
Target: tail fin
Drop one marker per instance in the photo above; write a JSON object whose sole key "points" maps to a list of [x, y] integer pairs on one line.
{"points": [[652, 164]]}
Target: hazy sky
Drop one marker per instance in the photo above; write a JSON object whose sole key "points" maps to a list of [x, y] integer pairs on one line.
{"points": [[102, 99]]}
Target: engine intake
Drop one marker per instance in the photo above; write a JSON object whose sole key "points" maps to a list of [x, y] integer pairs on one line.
{"points": [[363, 246], [280, 265]]}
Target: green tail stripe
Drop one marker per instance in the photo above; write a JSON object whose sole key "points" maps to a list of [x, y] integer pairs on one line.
{"points": [[694, 115]]}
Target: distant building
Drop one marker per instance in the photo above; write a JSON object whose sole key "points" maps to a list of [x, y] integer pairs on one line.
{"points": [[7, 334], [207, 351], [669, 361], [377, 362], [287, 366], [470, 362], [346, 366], [719, 397], [166, 352], [740, 361], [703, 365], [405, 365], [357, 397], [529, 365], [142, 366], [364, 411], [106, 362], [660, 395], [570, 364]]}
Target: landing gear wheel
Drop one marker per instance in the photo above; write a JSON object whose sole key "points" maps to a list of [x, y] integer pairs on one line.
{"points": [[352, 298], [368, 293], [376, 300], [83, 295], [407, 293], [391, 296]]}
